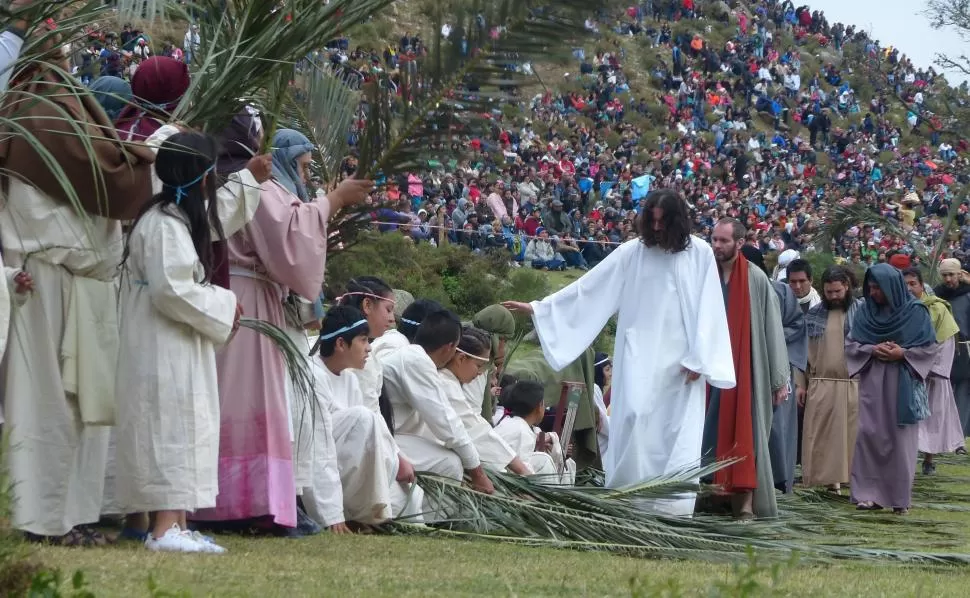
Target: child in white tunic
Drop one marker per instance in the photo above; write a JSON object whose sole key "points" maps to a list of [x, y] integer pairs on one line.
{"points": [[172, 322], [524, 407], [375, 300], [603, 374], [470, 360], [359, 474]]}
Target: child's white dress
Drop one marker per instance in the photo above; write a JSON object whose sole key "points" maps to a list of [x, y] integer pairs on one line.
{"points": [[552, 468]]}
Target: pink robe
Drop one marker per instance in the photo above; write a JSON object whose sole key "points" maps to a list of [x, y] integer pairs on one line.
{"points": [[283, 248]]}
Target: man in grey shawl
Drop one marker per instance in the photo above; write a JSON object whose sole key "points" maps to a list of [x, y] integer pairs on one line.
{"points": [[957, 293], [783, 440], [891, 349]]}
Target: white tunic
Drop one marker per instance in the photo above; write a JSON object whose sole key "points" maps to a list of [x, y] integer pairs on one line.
{"points": [[603, 433], [56, 463], [168, 416], [421, 407], [371, 378], [521, 437], [671, 316], [495, 453], [355, 459]]}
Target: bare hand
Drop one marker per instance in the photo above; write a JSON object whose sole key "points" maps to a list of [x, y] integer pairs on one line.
{"points": [[261, 167], [780, 395], [691, 375], [543, 443], [23, 282], [405, 471], [350, 192], [340, 529], [518, 306], [480, 482], [239, 313], [800, 395]]}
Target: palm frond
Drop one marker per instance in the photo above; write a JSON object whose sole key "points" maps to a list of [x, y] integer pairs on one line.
{"points": [[843, 217], [589, 518], [295, 359]]}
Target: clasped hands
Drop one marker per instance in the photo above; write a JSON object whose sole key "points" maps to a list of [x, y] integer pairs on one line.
{"points": [[888, 351]]}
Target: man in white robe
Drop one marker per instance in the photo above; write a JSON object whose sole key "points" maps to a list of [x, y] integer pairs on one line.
{"points": [[672, 338]]}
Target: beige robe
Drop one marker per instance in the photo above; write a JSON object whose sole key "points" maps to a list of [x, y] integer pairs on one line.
{"points": [[831, 408]]}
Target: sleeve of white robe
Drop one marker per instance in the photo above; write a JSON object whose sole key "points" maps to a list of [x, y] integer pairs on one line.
{"points": [[170, 262], [237, 199], [423, 386], [702, 305], [326, 494], [10, 47], [569, 320], [483, 435]]}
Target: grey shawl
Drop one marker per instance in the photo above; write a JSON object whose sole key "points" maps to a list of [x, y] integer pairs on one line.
{"points": [[818, 316]]}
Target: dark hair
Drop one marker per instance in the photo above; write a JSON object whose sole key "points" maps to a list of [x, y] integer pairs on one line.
{"points": [[674, 235], [414, 314], [598, 376], [507, 381], [915, 273], [474, 341], [362, 288], [438, 329], [754, 256], [837, 274], [799, 265], [341, 316], [737, 229], [182, 162], [522, 398]]}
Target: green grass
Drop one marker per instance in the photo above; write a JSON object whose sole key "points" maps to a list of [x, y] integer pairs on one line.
{"points": [[416, 566]]}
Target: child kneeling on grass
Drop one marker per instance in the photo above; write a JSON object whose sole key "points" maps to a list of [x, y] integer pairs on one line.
{"points": [[524, 407], [172, 322]]}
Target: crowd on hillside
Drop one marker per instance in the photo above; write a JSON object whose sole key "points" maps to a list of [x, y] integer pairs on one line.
{"points": [[751, 132]]}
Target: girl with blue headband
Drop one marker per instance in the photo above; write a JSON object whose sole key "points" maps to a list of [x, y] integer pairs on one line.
{"points": [[359, 475], [172, 322]]}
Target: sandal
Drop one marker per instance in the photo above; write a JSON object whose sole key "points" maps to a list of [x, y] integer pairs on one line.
{"points": [[81, 536], [900, 511], [868, 506]]}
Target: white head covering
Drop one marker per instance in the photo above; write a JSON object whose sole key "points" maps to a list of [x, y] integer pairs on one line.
{"points": [[787, 256]]}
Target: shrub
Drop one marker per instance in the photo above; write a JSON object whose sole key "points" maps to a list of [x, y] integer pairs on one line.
{"points": [[453, 275]]}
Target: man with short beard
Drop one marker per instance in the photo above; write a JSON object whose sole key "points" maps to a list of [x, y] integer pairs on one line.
{"points": [[738, 420], [830, 398], [957, 293]]}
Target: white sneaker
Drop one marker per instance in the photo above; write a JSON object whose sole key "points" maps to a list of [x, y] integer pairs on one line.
{"points": [[208, 544], [174, 540]]}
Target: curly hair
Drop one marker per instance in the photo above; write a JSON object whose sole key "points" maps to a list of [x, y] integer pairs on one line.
{"points": [[674, 233]]}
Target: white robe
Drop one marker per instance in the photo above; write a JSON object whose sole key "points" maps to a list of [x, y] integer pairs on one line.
{"points": [[168, 420], [371, 378], [552, 468], [56, 463], [427, 428], [603, 434], [494, 452], [355, 458], [671, 316]]}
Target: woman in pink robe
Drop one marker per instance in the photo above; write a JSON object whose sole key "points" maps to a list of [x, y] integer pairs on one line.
{"points": [[284, 248]]}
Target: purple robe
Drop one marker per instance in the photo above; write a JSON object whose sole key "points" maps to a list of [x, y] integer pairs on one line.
{"points": [[884, 462], [941, 432]]}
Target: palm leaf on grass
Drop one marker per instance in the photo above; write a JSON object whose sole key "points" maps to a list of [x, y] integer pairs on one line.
{"points": [[524, 512]]}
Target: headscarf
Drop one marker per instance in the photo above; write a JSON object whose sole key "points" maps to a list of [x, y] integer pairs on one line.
{"points": [[904, 320], [754, 255], [402, 300], [288, 145], [495, 319], [793, 321], [787, 256], [239, 142], [113, 93], [950, 266], [944, 324], [157, 87]]}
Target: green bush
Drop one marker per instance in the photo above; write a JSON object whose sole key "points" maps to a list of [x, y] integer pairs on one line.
{"points": [[451, 275]]}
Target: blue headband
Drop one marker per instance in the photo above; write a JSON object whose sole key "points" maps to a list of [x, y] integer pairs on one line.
{"points": [[411, 322], [180, 189], [326, 337]]}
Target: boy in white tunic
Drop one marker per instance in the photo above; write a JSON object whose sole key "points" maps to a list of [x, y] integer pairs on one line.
{"points": [[173, 320], [359, 474], [426, 426], [672, 337]]}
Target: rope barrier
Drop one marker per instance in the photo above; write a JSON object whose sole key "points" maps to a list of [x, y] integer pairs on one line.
{"points": [[521, 235]]}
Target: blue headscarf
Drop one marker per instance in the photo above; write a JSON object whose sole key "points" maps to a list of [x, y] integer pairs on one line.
{"points": [[904, 320], [113, 94], [288, 145]]}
